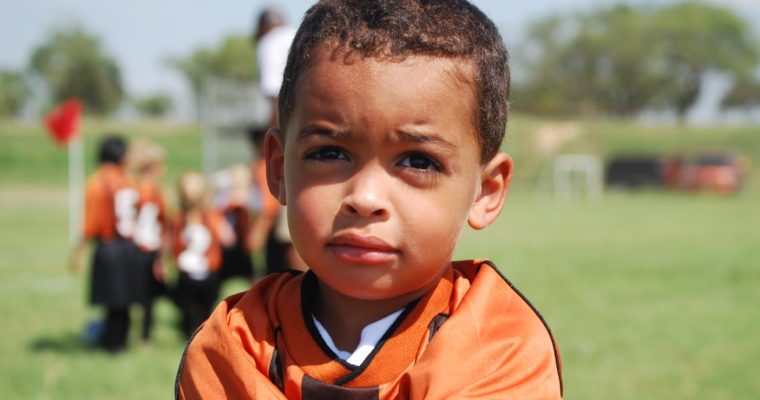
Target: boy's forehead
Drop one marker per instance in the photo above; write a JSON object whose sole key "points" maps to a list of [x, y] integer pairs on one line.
{"points": [[414, 92], [334, 68], [461, 69]]}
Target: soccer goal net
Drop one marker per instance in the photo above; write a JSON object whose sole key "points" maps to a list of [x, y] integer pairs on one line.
{"points": [[578, 175], [228, 109]]}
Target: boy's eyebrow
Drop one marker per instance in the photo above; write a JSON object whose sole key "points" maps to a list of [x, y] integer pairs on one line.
{"points": [[425, 138], [318, 130], [401, 135]]}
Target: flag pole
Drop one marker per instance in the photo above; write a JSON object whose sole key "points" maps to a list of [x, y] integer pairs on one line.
{"points": [[63, 124], [76, 182]]}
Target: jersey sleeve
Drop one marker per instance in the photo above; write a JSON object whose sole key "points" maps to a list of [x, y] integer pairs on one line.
{"points": [[95, 210]]}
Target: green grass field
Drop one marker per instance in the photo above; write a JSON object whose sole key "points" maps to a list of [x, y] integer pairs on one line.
{"points": [[650, 295]]}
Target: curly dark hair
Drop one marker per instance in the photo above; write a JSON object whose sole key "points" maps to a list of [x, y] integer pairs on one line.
{"points": [[395, 29]]}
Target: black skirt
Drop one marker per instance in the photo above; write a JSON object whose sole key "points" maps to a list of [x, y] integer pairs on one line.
{"points": [[115, 272], [146, 286], [235, 262]]}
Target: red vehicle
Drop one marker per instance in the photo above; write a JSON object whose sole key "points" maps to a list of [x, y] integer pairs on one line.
{"points": [[717, 171]]}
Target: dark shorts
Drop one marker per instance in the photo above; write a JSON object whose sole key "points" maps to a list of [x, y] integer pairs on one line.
{"points": [[235, 262], [114, 273]]}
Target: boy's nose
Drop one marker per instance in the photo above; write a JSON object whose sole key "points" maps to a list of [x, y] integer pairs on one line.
{"points": [[366, 195]]}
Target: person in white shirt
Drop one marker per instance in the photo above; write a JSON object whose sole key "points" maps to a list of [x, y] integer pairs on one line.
{"points": [[273, 38]]}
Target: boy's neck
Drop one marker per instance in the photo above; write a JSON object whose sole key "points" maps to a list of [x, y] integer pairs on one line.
{"points": [[345, 317]]}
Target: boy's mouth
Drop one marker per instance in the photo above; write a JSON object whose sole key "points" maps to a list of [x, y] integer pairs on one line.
{"points": [[357, 249]]}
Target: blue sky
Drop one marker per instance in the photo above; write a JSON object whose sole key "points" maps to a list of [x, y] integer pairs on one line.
{"points": [[141, 34]]}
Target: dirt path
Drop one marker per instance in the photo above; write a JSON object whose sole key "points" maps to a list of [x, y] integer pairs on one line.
{"points": [[35, 196]]}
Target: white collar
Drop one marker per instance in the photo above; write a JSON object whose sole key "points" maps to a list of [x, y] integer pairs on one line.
{"points": [[371, 335]]}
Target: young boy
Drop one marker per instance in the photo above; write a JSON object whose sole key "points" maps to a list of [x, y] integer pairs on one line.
{"points": [[392, 114]]}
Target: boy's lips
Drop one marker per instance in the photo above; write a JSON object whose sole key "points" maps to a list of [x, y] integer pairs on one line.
{"points": [[358, 249]]}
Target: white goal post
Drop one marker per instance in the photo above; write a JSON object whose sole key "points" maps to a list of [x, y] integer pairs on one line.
{"points": [[578, 175], [228, 109]]}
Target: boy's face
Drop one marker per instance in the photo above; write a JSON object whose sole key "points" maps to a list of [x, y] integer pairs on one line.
{"points": [[380, 169]]}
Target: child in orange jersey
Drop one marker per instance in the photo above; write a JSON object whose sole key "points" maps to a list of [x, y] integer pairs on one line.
{"points": [[109, 221], [392, 115], [147, 164], [232, 196], [199, 234]]}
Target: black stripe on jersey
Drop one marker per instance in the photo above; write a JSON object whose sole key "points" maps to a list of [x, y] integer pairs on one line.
{"points": [[308, 292], [275, 364], [435, 324], [182, 363], [367, 361]]}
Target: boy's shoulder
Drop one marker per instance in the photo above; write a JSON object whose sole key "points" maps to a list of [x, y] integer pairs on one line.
{"points": [[229, 355], [493, 341], [483, 297]]}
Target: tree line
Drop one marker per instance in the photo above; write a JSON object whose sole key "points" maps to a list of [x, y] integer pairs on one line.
{"points": [[618, 60], [622, 60], [73, 62]]}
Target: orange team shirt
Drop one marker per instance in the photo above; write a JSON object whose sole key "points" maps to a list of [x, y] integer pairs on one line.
{"points": [[267, 204], [474, 336], [151, 219], [205, 245], [110, 204]]}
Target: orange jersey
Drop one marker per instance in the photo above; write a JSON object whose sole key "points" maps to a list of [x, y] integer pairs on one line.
{"points": [[110, 204], [151, 216], [263, 202], [472, 337], [196, 246]]}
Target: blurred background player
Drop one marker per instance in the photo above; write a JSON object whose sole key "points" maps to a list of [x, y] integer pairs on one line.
{"points": [[232, 195], [147, 164], [199, 234], [109, 221], [272, 38]]}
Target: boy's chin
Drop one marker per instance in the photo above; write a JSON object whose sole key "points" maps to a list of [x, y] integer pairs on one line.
{"points": [[378, 290]]}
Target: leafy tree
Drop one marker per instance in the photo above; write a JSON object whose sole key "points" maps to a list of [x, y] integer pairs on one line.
{"points": [[743, 94], [694, 38], [590, 63], [545, 90], [621, 60], [155, 105], [14, 92], [72, 62], [233, 58]]}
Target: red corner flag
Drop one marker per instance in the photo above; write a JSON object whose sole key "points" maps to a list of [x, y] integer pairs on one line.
{"points": [[63, 121]]}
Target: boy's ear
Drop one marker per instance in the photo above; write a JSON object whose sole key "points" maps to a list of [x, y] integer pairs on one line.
{"points": [[274, 154], [495, 177]]}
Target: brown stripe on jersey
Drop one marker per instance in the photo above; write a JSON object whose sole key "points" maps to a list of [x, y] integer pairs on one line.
{"points": [[312, 389]]}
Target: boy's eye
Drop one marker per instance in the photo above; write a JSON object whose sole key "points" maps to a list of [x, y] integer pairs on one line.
{"points": [[421, 161], [326, 153]]}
